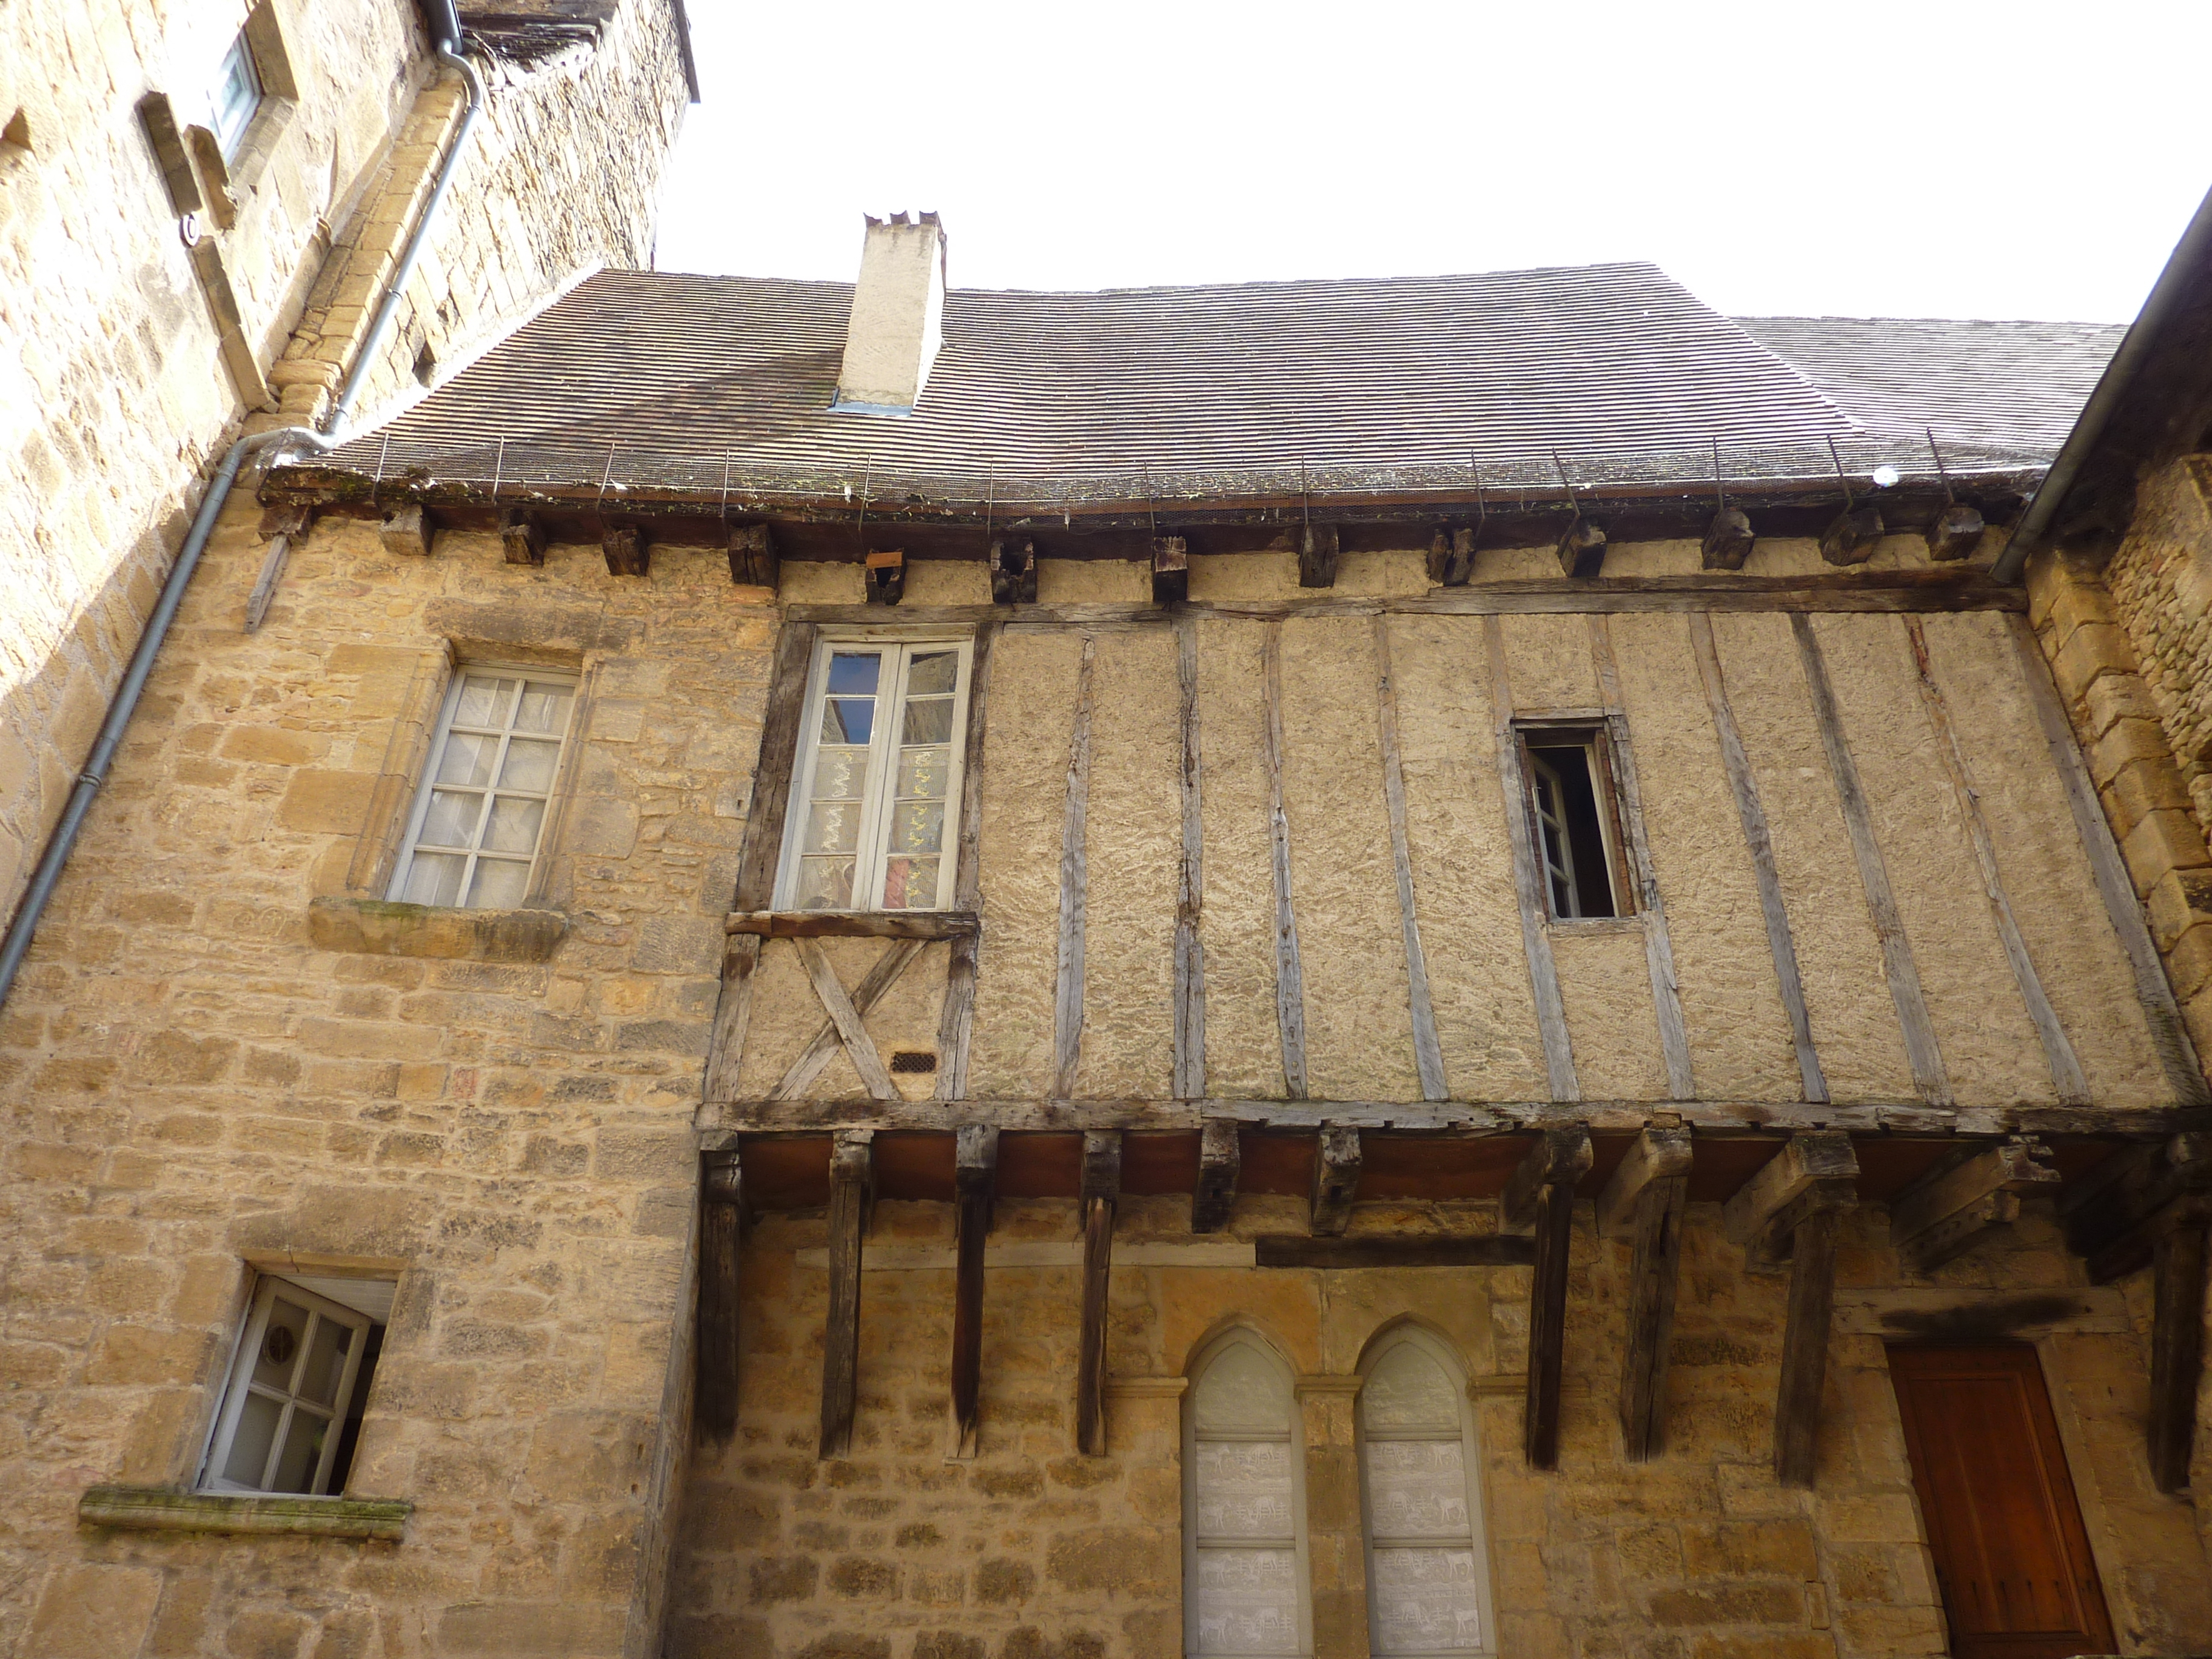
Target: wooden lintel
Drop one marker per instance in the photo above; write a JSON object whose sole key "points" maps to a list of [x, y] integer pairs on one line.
{"points": [[852, 1179], [1804, 1343], [1581, 549], [1451, 557], [721, 1221], [1560, 1158], [627, 550], [1487, 1250], [1729, 540], [2115, 1214], [1756, 1218], [1955, 532], [522, 536], [1014, 570], [1336, 1177], [852, 924], [1938, 1215], [1850, 536], [1317, 550], [975, 1170], [886, 575], [1101, 1190], [1219, 1161], [2177, 1346], [753, 562], [1171, 570]]}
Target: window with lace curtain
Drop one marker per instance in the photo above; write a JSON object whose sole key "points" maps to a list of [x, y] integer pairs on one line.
{"points": [[1244, 1515]]}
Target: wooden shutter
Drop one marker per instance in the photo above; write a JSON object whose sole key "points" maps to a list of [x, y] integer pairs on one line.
{"points": [[2011, 1555]]}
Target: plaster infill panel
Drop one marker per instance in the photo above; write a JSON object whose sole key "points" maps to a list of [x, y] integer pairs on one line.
{"points": [[1605, 985], [1237, 925], [1134, 843], [1032, 716], [1463, 863], [1549, 658], [1989, 1047], [1359, 1032], [1740, 1040], [1847, 1001]]}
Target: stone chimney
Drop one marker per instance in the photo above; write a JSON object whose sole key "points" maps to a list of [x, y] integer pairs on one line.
{"points": [[898, 316]]}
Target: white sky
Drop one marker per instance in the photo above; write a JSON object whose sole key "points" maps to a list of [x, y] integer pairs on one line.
{"points": [[1929, 158]]}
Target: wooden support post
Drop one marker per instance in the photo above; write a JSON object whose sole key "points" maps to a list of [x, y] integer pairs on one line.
{"points": [[1451, 558], [1013, 571], [1942, 1213], [1171, 570], [886, 575], [2177, 1348], [852, 1180], [956, 1020], [522, 535], [1541, 1196], [1850, 536], [1644, 1202], [408, 532], [1336, 1177], [1729, 540], [753, 562], [1318, 557], [722, 1195], [1101, 1190], [1955, 532], [975, 1174], [1789, 1211], [628, 551], [1220, 1159], [1582, 550]]}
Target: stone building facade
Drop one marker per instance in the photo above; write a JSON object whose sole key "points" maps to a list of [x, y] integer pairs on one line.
{"points": [[778, 1237]]}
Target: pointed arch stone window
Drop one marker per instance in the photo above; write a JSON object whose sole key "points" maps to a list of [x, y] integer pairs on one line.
{"points": [[1428, 1562], [1244, 1511]]}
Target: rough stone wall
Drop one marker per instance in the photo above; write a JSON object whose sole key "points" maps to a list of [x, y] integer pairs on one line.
{"points": [[188, 1083], [2160, 579], [1031, 1550]]}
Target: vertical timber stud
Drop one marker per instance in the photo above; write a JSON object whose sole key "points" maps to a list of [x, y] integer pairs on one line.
{"points": [[1290, 978], [752, 556], [2177, 1347], [1074, 877], [1541, 1196], [1428, 1053], [1171, 570], [1190, 888], [1220, 1158], [1789, 1211], [1336, 1178], [1318, 557], [1101, 1189], [975, 1175], [852, 1178], [956, 1021], [722, 1194], [1644, 1202]]}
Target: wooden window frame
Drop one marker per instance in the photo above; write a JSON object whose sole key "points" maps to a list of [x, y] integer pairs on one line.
{"points": [[1301, 1567], [238, 1384], [1596, 731], [870, 859]]}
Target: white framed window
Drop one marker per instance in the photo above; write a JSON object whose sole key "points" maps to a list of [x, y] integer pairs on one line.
{"points": [[290, 1411], [1244, 1508], [1428, 1561], [1575, 813], [235, 97], [475, 833], [876, 787]]}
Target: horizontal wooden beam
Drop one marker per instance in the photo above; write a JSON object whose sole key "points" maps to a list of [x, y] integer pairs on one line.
{"points": [[2115, 1214], [1941, 1214], [852, 924], [1815, 1169], [1490, 1250]]}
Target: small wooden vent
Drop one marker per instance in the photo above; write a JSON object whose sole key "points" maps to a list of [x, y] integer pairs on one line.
{"points": [[912, 1060]]}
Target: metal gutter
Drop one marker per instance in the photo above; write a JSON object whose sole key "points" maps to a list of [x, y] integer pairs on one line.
{"points": [[2185, 263]]}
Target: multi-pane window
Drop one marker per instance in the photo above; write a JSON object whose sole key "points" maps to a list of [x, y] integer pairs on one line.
{"points": [[290, 1415], [235, 97], [1428, 1583], [480, 817], [878, 778], [1244, 1507], [1573, 813]]}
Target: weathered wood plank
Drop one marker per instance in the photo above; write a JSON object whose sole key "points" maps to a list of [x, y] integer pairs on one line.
{"points": [[1190, 887], [975, 1170], [1937, 1216], [1662, 1152], [1658, 946], [1655, 1267], [1547, 1325], [1428, 1053], [752, 555], [1074, 877], [2177, 1054], [2066, 1076], [1101, 1190], [829, 1040], [852, 1173], [721, 1192], [1921, 1051], [1490, 1250], [852, 924], [956, 1020], [1171, 570], [1753, 815], [1290, 978], [733, 1013], [1336, 1177], [860, 1047], [2177, 1352], [1561, 1156], [785, 707], [2114, 1214], [1805, 1347], [628, 551], [1536, 942], [1317, 551], [1761, 1213], [1220, 1158]]}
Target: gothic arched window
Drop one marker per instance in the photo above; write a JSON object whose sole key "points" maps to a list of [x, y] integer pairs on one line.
{"points": [[1244, 1513]]}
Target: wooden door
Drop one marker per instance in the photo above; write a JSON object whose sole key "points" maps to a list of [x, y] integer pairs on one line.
{"points": [[2011, 1555]]}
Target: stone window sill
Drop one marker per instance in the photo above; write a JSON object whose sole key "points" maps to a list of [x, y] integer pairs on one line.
{"points": [[154, 1509], [379, 927]]}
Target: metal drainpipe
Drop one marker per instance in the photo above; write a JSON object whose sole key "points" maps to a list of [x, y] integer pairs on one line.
{"points": [[59, 844]]}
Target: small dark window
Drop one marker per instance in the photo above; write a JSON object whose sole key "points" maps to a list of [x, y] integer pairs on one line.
{"points": [[1577, 829]]}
